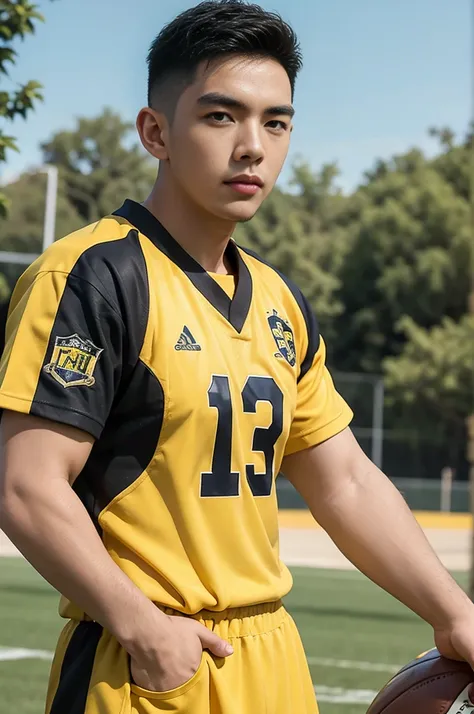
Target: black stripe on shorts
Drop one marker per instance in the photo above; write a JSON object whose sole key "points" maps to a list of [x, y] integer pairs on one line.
{"points": [[76, 670]]}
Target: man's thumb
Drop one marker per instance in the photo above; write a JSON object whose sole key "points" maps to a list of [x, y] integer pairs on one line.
{"points": [[214, 643]]}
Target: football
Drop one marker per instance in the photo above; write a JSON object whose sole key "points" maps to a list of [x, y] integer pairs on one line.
{"points": [[430, 684]]}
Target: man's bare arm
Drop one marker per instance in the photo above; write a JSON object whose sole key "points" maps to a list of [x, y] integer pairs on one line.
{"points": [[46, 520], [369, 521]]}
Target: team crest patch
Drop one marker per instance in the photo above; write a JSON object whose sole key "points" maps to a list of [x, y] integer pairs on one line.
{"points": [[73, 361], [283, 336]]}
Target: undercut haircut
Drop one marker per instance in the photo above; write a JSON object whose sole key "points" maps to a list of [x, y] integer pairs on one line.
{"points": [[213, 29]]}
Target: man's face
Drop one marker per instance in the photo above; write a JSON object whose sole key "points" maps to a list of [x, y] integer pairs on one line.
{"points": [[232, 125]]}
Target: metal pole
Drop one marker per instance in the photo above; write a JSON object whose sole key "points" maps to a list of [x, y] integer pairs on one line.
{"points": [[447, 475], [470, 308], [7, 256], [377, 423], [50, 206]]}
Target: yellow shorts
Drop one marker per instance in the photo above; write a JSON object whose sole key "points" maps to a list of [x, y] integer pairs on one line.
{"points": [[267, 674]]}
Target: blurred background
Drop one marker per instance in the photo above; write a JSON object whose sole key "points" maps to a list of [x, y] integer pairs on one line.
{"points": [[372, 218]]}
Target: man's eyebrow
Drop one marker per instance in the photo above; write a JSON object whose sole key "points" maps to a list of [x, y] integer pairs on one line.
{"points": [[285, 109], [224, 100]]}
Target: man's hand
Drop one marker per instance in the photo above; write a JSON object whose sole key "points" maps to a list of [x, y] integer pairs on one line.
{"points": [[456, 641], [176, 658]]}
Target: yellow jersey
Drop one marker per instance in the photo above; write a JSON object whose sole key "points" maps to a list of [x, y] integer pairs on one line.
{"points": [[194, 387]]}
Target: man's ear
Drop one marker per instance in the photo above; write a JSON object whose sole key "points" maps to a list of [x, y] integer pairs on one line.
{"points": [[153, 129]]}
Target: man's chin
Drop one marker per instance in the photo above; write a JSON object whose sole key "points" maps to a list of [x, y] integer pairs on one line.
{"points": [[240, 212]]}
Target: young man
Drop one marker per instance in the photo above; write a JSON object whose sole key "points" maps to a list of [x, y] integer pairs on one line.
{"points": [[155, 377]]}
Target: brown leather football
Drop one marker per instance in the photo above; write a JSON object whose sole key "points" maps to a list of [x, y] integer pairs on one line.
{"points": [[430, 684]]}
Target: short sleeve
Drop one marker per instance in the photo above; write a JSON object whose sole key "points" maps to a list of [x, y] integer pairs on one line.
{"points": [[63, 351], [320, 410]]}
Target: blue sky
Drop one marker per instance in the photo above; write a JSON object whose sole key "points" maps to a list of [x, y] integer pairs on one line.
{"points": [[377, 73]]}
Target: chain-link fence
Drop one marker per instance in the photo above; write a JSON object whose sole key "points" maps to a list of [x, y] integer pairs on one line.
{"points": [[414, 460], [401, 452]]}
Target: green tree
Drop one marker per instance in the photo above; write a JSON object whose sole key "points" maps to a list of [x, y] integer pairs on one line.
{"points": [[404, 285], [435, 369], [454, 162], [408, 229], [18, 18], [431, 385], [22, 231], [98, 169], [98, 166]]}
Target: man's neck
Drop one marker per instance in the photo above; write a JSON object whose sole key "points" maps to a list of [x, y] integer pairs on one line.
{"points": [[203, 236]]}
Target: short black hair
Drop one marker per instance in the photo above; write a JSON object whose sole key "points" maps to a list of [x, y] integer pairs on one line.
{"points": [[212, 29]]}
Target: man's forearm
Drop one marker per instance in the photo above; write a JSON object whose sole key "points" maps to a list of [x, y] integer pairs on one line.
{"points": [[53, 530], [372, 525]]}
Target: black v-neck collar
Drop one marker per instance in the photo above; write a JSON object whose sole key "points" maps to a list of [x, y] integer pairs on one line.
{"points": [[235, 310]]}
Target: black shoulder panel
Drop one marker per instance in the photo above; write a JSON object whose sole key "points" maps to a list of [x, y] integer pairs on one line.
{"points": [[118, 270]]}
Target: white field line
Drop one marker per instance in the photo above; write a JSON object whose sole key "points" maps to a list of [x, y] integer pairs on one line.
{"points": [[337, 695], [316, 572], [15, 653], [350, 664], [334, 695]]}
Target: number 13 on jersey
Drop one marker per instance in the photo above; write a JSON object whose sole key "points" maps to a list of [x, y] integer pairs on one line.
{"points": [[221, 481]]}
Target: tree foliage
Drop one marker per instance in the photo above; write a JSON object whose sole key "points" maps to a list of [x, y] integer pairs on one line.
{"points": [[18, 18], [435, 369], [409, 255], [23, 231], [97, 166], [98, 170]]}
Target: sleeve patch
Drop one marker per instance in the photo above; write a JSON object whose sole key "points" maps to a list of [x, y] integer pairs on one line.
{"points": [[73, 361]]}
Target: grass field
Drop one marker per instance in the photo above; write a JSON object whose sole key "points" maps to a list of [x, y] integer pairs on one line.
{"points": [[354, 635]]}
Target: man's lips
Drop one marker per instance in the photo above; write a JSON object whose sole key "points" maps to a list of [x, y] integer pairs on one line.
{"points": [[246, 185]]}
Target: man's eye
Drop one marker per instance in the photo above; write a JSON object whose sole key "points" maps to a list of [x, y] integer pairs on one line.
{"points": [[277, 124], [219, 117]]}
